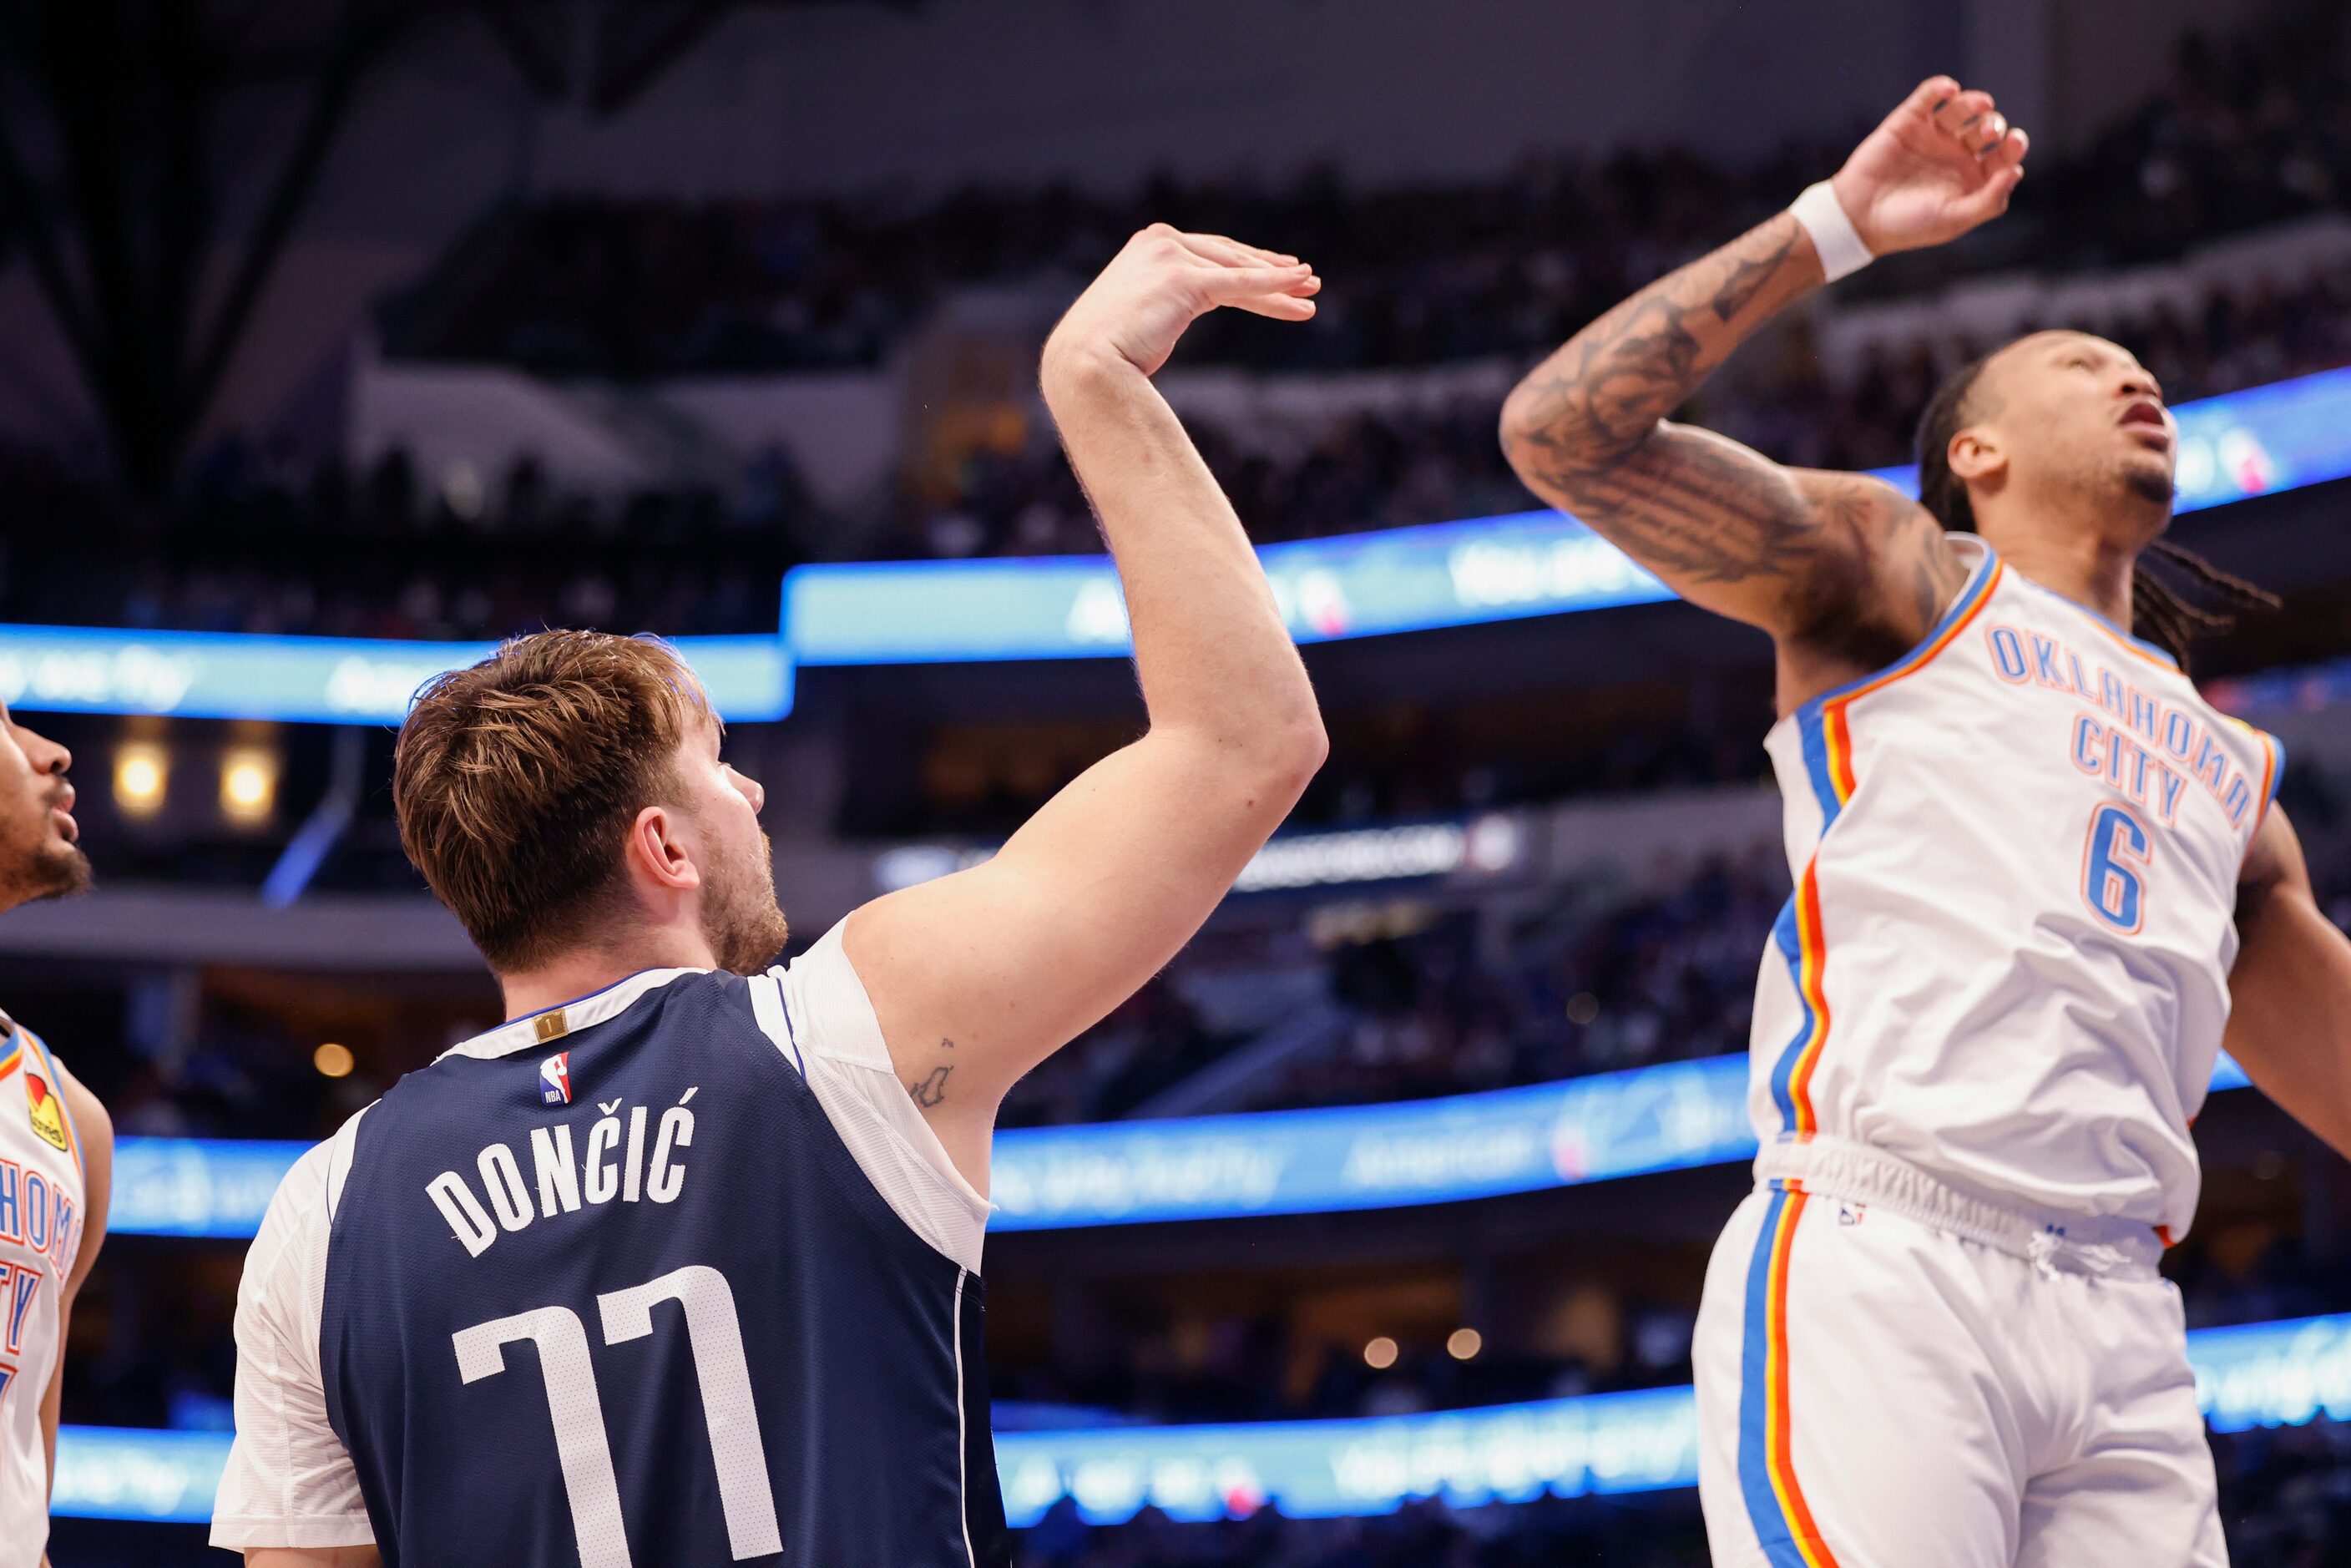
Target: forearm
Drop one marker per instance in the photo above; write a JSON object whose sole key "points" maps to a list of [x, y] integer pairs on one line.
{"points": [[2291, 1026], [1210, 649], [1589, 406]]}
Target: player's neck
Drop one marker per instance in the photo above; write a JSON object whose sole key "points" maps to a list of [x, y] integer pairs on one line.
{"points": [[2077, 560], [586, 970]]}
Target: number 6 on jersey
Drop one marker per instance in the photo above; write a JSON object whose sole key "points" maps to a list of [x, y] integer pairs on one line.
{"points": [[2114, 868]]}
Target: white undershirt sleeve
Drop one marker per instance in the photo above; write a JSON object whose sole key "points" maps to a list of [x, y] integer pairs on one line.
{"points": [[817, 1012], [290, 1483]]}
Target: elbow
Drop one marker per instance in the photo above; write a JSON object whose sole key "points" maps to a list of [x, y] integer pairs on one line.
{"points": [[1296, 754], [1533, 418], [1283, 755], [1556, 441], [1519, 429]]}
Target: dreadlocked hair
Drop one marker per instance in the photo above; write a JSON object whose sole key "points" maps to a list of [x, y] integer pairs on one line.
{"points": [[2188, 600]]}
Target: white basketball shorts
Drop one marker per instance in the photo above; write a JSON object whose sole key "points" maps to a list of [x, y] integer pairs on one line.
{"points": [[1892, 1375]]}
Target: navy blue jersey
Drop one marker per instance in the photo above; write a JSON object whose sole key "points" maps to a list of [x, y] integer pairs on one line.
{"points": [[609, 1287]]}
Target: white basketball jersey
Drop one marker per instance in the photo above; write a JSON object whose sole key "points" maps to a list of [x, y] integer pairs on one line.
{"points": [[2006, 962], [40, 1230]]}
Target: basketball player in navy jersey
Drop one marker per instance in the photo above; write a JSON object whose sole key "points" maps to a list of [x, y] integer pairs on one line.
{"points": [[681, 1265]]}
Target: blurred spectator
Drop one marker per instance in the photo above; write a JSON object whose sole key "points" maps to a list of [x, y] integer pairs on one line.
{"points": [[2244, 132], [264, 542]]}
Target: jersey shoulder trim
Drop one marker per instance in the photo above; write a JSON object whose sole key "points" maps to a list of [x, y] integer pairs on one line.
{"points": [[817, 1014], [1821, 722], [555, 1022]]}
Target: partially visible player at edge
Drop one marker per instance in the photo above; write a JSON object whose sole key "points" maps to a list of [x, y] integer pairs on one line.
{"points": [[487, 1325], [2039, 883], [56, 1156]]}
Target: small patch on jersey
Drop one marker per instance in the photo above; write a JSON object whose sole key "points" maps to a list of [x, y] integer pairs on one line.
{"points": [[554, 1080], [48, 1117], [550, 1026]]}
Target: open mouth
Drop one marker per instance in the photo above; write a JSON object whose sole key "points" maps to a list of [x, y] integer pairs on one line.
{"points": [[2145, 416], [66, 826]]}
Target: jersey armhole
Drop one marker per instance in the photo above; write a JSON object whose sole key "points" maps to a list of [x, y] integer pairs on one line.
{"points": [[818, 1015]]}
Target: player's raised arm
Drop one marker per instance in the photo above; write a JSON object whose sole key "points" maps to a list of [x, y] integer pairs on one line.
{"points": [[978, 977], [1790, 551], [2289, 1018]]}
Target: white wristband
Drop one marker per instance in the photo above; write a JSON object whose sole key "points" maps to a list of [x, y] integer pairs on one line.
{"points": [[1833, 235]]}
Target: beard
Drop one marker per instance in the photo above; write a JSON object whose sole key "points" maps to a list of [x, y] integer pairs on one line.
{"points": [[2148, 481], [52, 869], [745, 928]]}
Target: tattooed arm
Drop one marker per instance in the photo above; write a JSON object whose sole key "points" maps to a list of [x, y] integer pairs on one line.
{"points": [[1821, 560]]}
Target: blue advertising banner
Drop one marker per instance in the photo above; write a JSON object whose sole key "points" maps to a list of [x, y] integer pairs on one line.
{"points": [[1070, 607], [2273, 1375], [309, 680], [2245, 443], [1669, 1117], [196, 1186], [1375, 1156], [2264, 1375], [1641, 1441], [129, 1472]]}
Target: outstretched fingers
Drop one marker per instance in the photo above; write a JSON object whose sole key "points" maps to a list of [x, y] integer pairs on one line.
{"points": [[1232, 251], [1284, 293]]}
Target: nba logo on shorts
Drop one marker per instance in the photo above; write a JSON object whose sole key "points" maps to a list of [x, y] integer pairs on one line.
{"points": [[554, 1080]]}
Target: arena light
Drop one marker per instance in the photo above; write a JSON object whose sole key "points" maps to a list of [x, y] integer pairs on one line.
{"points": [[1380, 1353], [1464, 1344], [142, 774], [333, 1061], [248, 785], [2262, 1375]]}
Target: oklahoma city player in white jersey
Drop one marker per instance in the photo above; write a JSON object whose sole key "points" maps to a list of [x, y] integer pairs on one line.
{"points": [[56, 1148], [2039, 881]]}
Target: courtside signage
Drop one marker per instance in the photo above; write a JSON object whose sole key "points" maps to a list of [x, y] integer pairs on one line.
{"points": [[309, 680], [2262, 1374]]}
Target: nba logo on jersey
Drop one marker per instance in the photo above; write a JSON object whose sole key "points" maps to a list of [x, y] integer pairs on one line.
{"points": [[554, 1080]]}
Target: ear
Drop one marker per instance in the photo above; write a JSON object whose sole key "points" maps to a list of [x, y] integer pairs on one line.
{"points": [[659, 852], [1976, 456]]}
